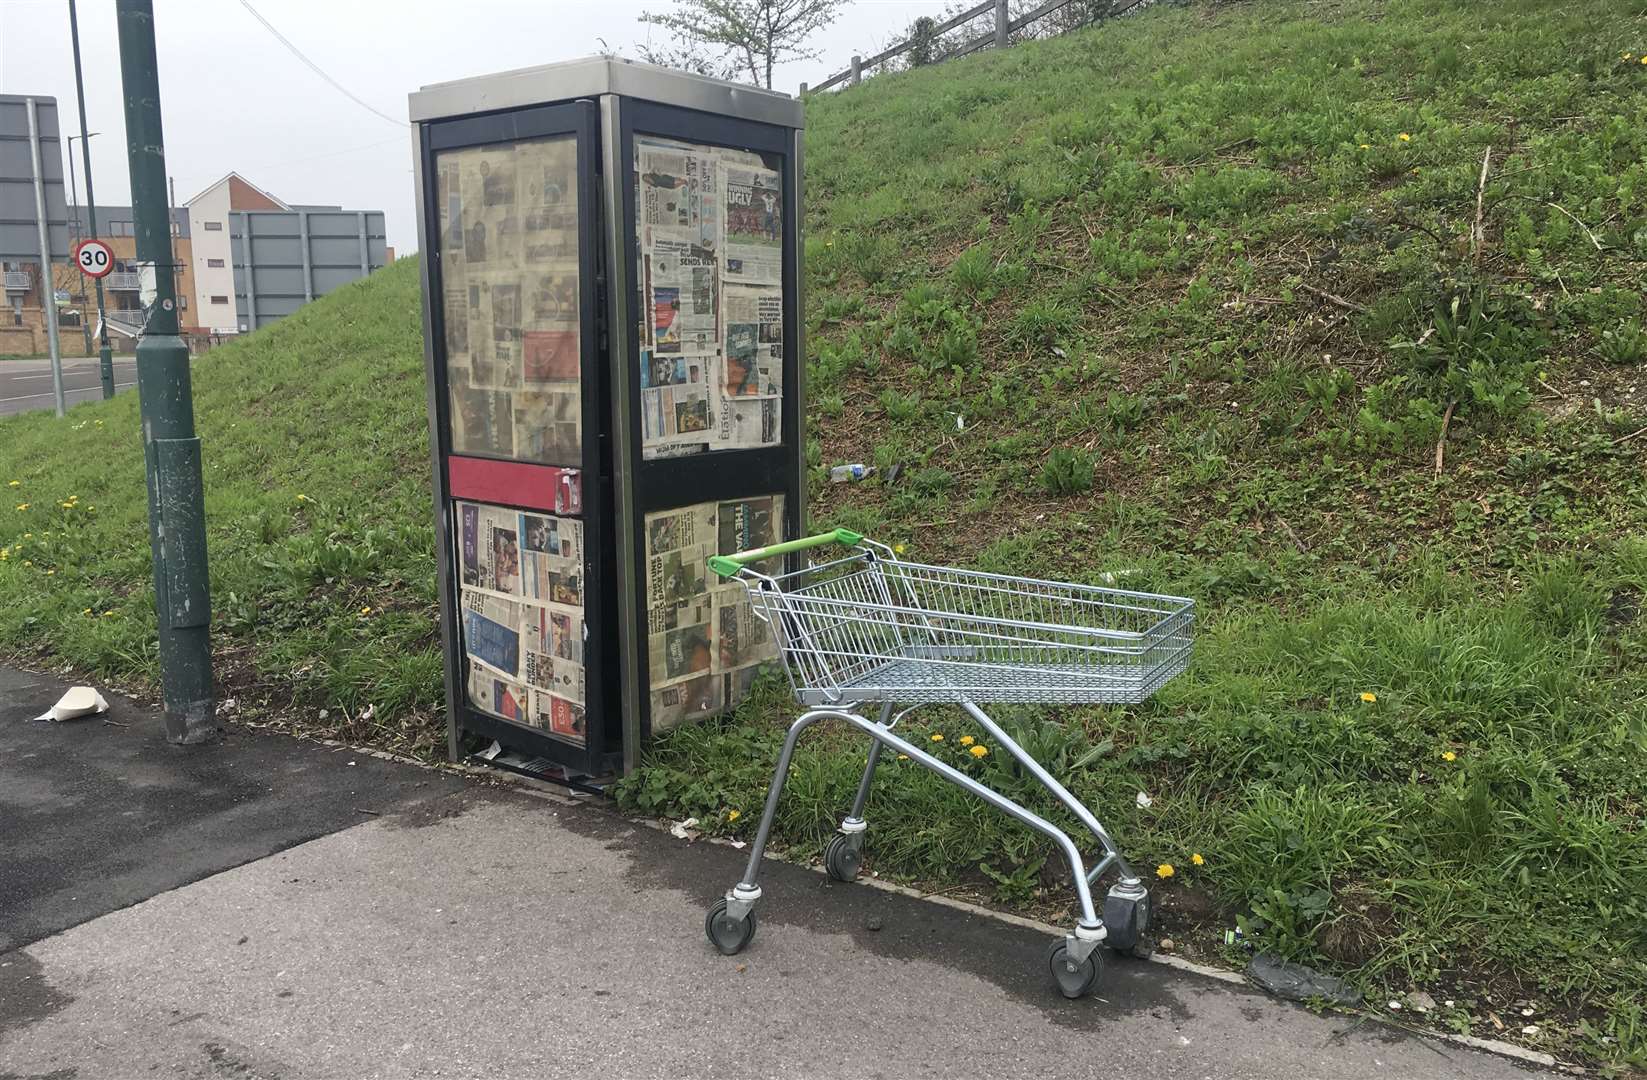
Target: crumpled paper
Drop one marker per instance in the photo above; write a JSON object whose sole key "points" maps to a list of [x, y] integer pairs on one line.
{"points": [[79, 701]]}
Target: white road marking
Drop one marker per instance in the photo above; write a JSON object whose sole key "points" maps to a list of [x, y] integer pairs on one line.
{"points": [[66, 391]]}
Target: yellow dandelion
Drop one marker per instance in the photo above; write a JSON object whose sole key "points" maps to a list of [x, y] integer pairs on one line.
{"points": [[302, 498], [979, 751], [733, 815], [108, 614], [1404, 137], [967, 740], [936, 737], [1366, 146], [49, 573], [28, 562], [1448, 755], [366, 611], [15, 483], [1368, 697], [86, 612], [1644, 59], [903, 757], [1197, 859], [1164, 871], [899, 549], [22, 506]]}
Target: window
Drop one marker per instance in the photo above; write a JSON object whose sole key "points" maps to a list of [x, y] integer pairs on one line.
{"points": [[182, 303], [220, 299], [212, 226], [215, 264]]}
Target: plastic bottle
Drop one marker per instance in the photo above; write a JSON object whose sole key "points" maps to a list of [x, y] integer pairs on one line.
{"points": [[850, 474]]}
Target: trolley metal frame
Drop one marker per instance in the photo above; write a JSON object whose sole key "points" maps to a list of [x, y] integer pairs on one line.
{"points": [[868, 628]]}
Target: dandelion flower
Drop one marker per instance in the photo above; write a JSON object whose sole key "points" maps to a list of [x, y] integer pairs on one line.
{"points": [[22, 506], [903, 757], [1644, 59], [1448, 755], [49, 573], [967, 740], [108, 614], [1404, 137], [979, 751], [28, 562], [1197, 859], [733, 815], [1368, 697], [302, 498], [366, 611], [1164, 871], [86, 612], [935, 737], [15, 483], [1366, 146], [900, 548]]}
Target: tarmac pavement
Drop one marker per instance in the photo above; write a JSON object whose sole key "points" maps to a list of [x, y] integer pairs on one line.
{"points": [[469, 929]]}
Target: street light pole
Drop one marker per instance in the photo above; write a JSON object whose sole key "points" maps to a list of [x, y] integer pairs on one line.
{"points": [[105, 355], [171, 450], [75, 233]]}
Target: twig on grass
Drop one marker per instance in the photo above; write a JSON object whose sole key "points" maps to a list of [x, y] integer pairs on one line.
{"points": [[1577, 222], [1478, 233], [1339, 300], [1441, 442], [1303, 547], [1627, 438]]}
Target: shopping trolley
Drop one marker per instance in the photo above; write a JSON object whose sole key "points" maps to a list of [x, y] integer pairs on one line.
{"points": [[868, 628]]}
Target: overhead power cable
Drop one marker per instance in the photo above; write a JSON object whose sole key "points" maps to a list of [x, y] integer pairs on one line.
{"points": [[316, 68]]}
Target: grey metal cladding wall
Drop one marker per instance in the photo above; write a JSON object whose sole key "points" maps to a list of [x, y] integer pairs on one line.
{"points": [[284, 258], [19, 235]]}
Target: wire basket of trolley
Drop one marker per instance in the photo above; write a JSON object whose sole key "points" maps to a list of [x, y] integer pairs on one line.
{"points": [[866, 628]]}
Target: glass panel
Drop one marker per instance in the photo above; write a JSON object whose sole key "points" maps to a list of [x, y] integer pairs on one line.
{"points": [[509, 271], [522, 616], [703, 639], [710, 247]]}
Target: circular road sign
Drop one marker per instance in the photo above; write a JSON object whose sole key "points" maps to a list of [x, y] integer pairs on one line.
{"points": [[94, 258]]}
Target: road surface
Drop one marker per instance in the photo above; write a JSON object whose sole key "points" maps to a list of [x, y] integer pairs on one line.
{"points": [[26, 384]]}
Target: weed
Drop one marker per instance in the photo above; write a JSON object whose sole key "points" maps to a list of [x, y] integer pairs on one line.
{"points": [[1066, 472]]}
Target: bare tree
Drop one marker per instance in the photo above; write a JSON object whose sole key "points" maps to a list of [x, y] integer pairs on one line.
{"points": [[751, 35]]}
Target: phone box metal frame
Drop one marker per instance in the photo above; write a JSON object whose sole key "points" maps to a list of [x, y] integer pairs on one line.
{"points": [[603, 103]]}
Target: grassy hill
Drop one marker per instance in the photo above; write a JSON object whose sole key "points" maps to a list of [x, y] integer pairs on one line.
{"points": [[1186, 302]]}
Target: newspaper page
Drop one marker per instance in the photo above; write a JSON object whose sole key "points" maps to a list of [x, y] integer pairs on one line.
{"points": [[704, 639], [710, 257], [752, 237], [510, 299], [521, 607]]}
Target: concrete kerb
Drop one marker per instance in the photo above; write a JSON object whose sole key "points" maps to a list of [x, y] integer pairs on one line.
{"points": [[550, 792]]}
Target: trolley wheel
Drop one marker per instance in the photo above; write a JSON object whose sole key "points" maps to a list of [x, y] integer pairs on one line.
{"points": [[729, 935], [1074, 980], [842, 858]]}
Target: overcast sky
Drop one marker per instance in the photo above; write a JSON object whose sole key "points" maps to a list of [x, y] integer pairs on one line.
{"points": [[235, 99]]}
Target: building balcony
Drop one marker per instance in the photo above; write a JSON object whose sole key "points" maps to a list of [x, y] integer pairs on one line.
{"points": [[19, 280], [123, 281]]}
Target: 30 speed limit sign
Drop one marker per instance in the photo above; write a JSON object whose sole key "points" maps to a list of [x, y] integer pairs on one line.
{"points": [[94, 258]]}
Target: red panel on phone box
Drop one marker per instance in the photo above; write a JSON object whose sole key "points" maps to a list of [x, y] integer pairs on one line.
{"points": [[515, 483]]}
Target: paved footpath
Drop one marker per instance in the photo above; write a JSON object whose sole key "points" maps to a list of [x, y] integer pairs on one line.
{"points": [[469, 930]]}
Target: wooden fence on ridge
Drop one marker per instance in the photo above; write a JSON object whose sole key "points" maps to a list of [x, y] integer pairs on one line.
{"points": [[999, 37]]}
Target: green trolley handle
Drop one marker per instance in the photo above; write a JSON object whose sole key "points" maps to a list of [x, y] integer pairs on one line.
{"points": [[729, 565]]}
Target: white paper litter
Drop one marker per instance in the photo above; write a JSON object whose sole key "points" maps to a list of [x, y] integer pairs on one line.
{"points": [[79, 701], [1144, 801], [679, 829]]}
